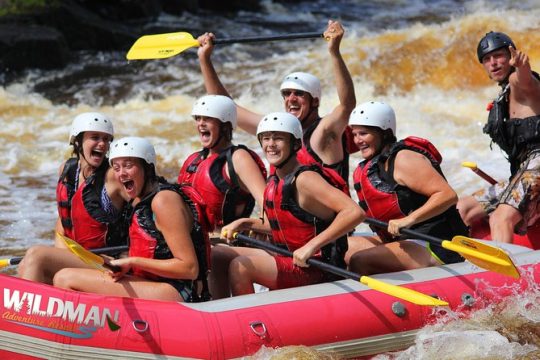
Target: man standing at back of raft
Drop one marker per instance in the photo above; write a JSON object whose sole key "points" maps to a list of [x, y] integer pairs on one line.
{"points": [[325, 141], [514, 125]]}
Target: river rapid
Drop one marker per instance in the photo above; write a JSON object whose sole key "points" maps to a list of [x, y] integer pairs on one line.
{"points": [[418, 56]]}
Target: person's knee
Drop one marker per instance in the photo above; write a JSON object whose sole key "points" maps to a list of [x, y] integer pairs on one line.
{"points": [[469, 209], [359, 263], [34, 257], [222, 256], [504, 215], [239, 270], [63, 279]]}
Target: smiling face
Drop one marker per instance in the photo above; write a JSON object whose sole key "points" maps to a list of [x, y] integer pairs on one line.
{"points": [[368, 139], [497, 64], [276, 146], [299, 103], [94, 147], [209, 130], [129, 172]]}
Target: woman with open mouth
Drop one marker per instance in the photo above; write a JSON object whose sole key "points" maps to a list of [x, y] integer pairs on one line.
{"points": [[229, 177], [168, 238], [90, 201]]}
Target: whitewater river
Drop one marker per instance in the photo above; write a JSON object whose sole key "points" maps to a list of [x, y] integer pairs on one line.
{"points": [[419, 56]]}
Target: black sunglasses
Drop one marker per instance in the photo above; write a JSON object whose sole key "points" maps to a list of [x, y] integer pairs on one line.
{"points": [[287, 93]]}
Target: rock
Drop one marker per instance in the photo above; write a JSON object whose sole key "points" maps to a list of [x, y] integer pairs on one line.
{"points": [[31, 46]]}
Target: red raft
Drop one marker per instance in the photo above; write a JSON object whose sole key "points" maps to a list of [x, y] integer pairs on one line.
{"points": [[480, 230], [344, 317]]}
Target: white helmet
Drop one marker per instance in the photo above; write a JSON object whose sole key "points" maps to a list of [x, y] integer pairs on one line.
{"points": [[374, 113], [90, 121], [303, 81], [216, 106], [280, 121], [133, 147]]}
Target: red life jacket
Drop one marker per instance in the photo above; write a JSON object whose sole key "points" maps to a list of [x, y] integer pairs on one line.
{"points": [[292, 226], [65, 189], [148, 242], [81, 211], [379, 195], [222, 194]]}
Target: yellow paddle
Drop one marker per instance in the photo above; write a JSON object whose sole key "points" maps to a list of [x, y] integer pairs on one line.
{"points": [[412, 296], [87, 256], [161, 46], [472, 165], [107, 250], [482, 255]]}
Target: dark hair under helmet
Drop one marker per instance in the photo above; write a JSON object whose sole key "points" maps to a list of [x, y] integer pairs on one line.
{"points": [[493, 41]]}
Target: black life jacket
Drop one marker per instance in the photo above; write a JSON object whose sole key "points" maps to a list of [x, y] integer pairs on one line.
{"points": [[516, 137]]}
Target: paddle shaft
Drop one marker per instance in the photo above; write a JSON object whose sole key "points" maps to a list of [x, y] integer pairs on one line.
{"points": [[477, 171], [317, 263], [307, 35], [484, 176], [106, 250], [416, 234]]}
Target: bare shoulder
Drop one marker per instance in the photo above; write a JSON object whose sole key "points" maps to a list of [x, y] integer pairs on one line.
{"points": [[61, 168], [241, 154], [310, 179]]}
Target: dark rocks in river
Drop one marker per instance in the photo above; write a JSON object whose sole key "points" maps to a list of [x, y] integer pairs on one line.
{"points": [[50, 36], [23, 46]]}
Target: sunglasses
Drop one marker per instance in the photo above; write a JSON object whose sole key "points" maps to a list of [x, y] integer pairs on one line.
{"points": [[297, 93]]}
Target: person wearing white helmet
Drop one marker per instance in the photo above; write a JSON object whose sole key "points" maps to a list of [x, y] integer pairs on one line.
{"points": [[304, 213], [90, 202], [401, 183], [168, 242], [511, 207], [229, 177], [325, 138]]}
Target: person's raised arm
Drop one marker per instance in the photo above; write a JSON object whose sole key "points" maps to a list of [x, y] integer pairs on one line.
{"points": [[523, 79], [336, 121], [247, 120]]}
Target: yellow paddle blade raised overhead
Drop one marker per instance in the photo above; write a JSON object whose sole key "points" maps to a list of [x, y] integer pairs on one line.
{"points": [[161, 46]]}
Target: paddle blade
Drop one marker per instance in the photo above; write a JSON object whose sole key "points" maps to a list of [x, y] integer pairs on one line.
{"points": [[469, 164], [161, 46], [89, 258], [482, 255], [401, 292], [4, 263]]}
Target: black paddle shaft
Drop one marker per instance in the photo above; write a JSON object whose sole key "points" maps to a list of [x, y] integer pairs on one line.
{"points": [[416, 234], [308, 35], [314, 262]]}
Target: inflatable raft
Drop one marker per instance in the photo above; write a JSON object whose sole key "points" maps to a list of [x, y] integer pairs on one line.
{"points": [[343, 317]]}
